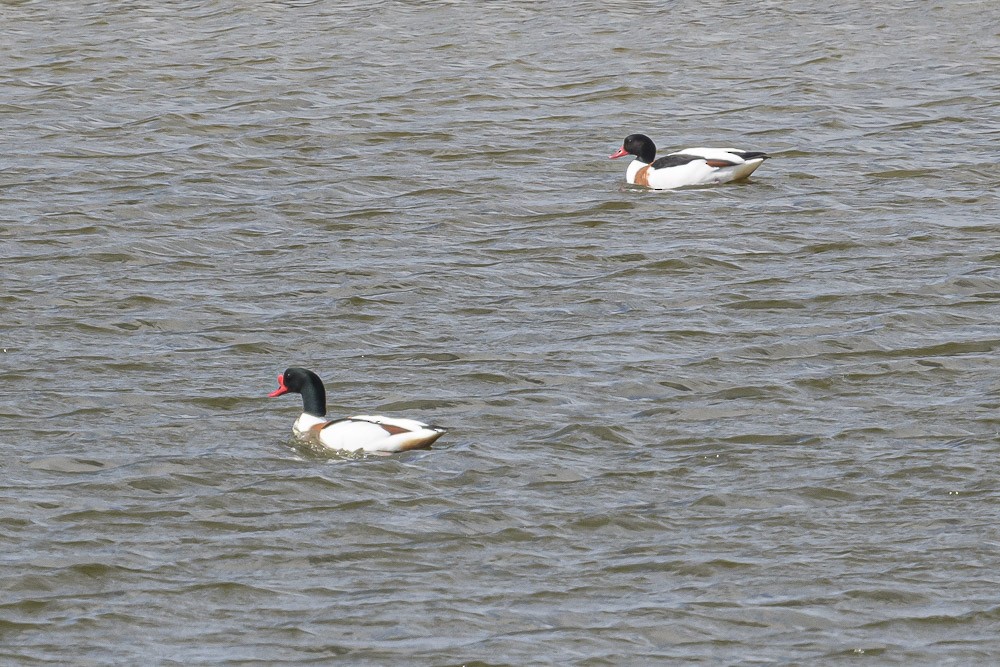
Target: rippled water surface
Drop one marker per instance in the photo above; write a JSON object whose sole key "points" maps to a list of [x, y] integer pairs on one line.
{"points": [[754, 423]]}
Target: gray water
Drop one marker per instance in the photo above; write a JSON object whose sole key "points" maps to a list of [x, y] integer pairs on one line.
{"points": [[747, 424]]}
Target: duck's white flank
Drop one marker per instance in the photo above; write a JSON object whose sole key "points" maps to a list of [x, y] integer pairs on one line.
{"points": [[368, 433]]}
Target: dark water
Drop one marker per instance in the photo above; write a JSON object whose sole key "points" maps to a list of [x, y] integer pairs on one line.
{"points": [[750, 424]]}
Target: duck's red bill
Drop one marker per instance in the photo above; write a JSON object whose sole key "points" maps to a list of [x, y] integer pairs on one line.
{"points": [[620, 153], [282, 389]]}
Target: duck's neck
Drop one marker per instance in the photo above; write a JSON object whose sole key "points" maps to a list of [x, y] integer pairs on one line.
{"points": [[647, 153], [314, 399]]}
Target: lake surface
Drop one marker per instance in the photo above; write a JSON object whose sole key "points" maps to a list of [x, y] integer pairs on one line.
{"points": [[747, 424]]}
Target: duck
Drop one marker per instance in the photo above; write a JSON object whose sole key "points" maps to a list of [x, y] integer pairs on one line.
{"points": [[691, 166], [361, 433]]}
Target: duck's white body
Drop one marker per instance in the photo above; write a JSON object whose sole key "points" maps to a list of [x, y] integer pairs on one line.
{"points": [[691, 166], [695, 172], [366, 433], [362, 433]]}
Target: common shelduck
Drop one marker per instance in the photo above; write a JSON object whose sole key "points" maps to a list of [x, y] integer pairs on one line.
{"points": [[691, 166], [369, 433]]}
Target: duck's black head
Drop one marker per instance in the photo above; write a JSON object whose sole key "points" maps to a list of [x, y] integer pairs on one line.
{"points": [[638, 145], [303, 381]]}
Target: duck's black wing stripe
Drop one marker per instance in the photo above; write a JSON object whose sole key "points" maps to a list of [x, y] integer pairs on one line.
{"points": [[674, 161]]}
